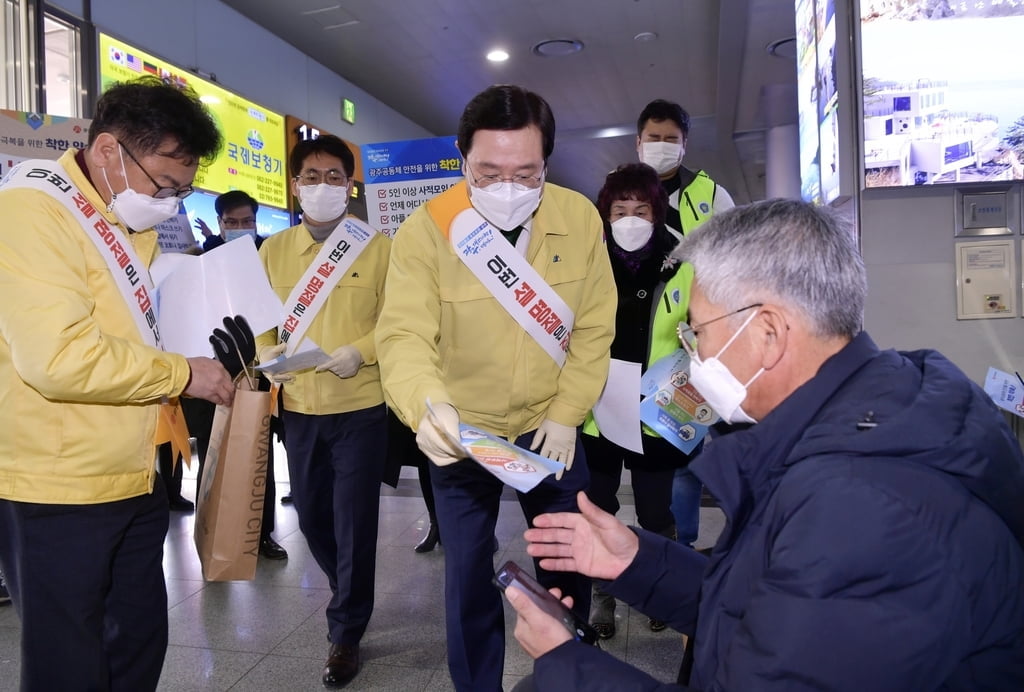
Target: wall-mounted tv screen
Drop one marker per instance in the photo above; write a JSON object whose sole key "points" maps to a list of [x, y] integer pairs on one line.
{"points": [[819, 100], [943, 91]]}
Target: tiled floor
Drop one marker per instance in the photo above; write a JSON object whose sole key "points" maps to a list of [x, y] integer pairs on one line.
{"points": [[269, 634]]}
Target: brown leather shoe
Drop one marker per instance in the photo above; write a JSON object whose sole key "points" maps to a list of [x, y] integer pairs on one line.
{"points": [[342, 665]]}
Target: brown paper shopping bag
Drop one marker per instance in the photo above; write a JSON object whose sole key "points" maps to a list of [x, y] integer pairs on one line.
{"points": [[229, 509]]}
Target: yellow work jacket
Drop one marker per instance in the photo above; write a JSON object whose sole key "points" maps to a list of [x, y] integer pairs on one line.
{"points": [[443, 335], [79, 389], [348, 317]]}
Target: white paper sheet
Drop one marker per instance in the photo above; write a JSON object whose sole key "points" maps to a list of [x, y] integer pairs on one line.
{"points": [[307, 356], [617, 412], [195, 294]]}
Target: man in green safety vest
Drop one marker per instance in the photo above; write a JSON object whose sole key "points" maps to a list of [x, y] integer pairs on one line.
{"points": [[693, 197]]}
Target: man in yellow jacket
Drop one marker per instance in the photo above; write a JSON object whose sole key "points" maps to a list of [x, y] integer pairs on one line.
{"points": [[82, 378], [330, 272], [473, 273]]}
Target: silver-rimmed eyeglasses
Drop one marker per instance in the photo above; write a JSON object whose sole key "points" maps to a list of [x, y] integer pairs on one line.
{"points": [[688, 334]]}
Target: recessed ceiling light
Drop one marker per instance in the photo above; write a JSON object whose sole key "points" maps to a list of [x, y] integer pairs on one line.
{"points": [[497, 55], [646, 36], [782, 47], [557, 47]]}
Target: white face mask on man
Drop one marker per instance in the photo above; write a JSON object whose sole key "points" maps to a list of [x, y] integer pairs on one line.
{"points": [[661, 156], [719, 387], [135, 210], [631, 232], [505, 205], [323, 202]]}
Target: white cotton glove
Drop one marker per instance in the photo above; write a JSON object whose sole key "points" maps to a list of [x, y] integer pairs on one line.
{"points": [[269, 353], [436, 433], [559, 443], [344, 362], [280, 378]]}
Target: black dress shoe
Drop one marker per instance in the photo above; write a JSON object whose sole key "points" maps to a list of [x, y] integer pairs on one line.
{"points": [[429, 541], [181, 505], [272, 550], [286, 499], [342, 665]]}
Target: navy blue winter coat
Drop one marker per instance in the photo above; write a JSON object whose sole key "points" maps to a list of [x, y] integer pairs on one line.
{"points": [[874, 542]]}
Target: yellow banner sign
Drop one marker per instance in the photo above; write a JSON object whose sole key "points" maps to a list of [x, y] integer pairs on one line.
{"points": [[253, 157]]}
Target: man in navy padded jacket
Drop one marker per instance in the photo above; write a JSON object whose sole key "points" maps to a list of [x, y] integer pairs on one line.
{"points": [[875, 510]]}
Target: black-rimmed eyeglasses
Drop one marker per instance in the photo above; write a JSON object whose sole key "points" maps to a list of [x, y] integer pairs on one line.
{"points": [[161, 191]]}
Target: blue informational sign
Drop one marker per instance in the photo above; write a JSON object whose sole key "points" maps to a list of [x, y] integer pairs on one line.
{"points": [[411, 159], [400, 176]]}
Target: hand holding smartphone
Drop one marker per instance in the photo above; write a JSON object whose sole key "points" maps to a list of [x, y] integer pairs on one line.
{"points": [[511, 574]]}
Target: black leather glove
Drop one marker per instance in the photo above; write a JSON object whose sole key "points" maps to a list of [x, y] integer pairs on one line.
{"points": [[236, 347]]}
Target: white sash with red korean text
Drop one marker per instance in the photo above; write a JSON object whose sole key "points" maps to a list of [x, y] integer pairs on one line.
{"points": [[346, 242], [513, 281], [130, 274]]}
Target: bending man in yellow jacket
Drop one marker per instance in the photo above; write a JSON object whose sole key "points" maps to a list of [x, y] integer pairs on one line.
{"points": [[82, 377], [460, 329]]}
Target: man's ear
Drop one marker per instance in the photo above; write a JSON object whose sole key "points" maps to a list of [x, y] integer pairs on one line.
{"points": [[773, 333], [103, 151]]}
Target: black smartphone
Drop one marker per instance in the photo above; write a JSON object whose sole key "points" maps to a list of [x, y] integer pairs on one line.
{"points": [[511, 574]]}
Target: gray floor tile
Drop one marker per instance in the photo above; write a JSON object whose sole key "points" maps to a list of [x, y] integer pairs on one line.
{"points": [[195, 669]]}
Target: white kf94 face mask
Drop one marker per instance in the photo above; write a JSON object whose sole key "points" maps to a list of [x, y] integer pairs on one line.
{"points": [[135, 210], [323, 202], [504, 205], [661, 156], [631, 232], [719, 387]]}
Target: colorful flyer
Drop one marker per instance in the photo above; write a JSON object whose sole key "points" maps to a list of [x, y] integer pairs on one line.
{"points": [[1006, 390], [512, 465], [671, 406]]}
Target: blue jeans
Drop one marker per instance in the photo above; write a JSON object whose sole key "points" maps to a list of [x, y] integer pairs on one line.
{"points": [[686, 492]]}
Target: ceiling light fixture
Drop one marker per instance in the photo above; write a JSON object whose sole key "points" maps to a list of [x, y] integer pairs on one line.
{"points": [[321, 9], [350, 22], [557, 47], [782, 48], [497, 55], [645, 36]]}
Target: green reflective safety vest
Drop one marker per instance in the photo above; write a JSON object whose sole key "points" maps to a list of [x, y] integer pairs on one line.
{"points": [[695, 207], [696, 202]]}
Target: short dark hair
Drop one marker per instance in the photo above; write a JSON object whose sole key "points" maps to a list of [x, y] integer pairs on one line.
{"points": [[233, 200], [633, 181], [660, 109], [324, 144], [143, 113], [506, 107]]}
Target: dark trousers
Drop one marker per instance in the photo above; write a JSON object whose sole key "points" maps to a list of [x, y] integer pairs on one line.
{"points": [[88, 584], [652, 489], [467, 500], [336, 463]]}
